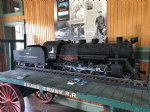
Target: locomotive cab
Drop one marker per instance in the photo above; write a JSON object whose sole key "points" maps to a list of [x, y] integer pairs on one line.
{"points": [[52, 49]]}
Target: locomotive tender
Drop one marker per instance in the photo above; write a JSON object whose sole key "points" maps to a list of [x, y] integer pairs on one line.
{"points": [[110, 59]]}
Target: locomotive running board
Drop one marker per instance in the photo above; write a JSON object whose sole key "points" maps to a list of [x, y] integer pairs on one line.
{"points": [[101, 79]]}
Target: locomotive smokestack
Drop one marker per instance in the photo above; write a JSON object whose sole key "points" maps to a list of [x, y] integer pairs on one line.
{"points": [[82, 41], [119, 40]]}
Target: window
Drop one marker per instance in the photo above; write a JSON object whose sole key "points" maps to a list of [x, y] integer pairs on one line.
{"points": [[11, 7], [51, 49], [19, 33], [12, 31]]}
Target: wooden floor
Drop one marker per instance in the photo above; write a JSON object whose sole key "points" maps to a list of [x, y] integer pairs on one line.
{"points": [[33, 105]]}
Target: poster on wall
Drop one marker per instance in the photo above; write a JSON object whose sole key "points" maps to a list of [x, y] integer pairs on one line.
{"points": [[63, 10], [95, 19], [77, 11], [80, 19]]}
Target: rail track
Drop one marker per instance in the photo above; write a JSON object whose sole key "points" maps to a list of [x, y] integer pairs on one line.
{"points": [[98, 78]]}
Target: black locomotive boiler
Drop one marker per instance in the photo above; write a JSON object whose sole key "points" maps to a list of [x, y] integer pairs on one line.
{"points": [[110, 59]]}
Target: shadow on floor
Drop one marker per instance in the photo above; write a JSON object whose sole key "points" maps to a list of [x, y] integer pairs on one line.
{"points": [[33, 105]]}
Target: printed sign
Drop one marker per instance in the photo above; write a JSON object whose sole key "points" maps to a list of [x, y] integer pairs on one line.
{"points": [[51, 90]]}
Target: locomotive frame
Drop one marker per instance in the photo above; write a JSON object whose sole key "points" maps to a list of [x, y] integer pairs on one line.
{"points": [[115, 60]]}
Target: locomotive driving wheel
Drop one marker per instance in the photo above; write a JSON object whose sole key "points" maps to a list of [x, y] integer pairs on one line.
{"points": [[67, 66], [127, 75], [11, 99], [45, 97]]}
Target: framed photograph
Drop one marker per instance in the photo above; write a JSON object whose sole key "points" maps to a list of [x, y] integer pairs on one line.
{"points": [[77, 31], [63, 10], [63, 30]]}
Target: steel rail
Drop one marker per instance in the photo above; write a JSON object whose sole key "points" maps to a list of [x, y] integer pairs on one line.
{"points": [[98, 78]]}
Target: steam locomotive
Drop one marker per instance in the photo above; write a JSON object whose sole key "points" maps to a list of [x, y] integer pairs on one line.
{"points": [[109, 59]]}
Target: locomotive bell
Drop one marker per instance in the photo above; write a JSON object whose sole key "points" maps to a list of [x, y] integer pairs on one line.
{"points": [[95, 41], [82, 41]]}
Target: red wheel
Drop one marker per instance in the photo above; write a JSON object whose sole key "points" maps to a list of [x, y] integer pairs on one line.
{"points": [[11, 99], [45, 97]]}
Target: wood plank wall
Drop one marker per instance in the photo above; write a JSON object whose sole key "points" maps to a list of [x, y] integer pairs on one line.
{"points": [[39, 20], [1, 32], [2, 63], [129, 18]]}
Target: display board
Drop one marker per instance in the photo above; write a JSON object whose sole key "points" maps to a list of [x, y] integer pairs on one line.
{"points": [[80, 19]]}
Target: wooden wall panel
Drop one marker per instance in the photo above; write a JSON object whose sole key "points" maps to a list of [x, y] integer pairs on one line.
{"points": [[2, 62], [1, 32], [144, 67], [129, 18], [39, 20], [12, 18]]}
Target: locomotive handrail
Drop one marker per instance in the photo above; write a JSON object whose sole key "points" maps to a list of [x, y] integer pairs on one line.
{"points": [[11, 47]]}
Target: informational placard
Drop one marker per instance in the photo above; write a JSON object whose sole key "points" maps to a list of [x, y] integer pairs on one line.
{"points": [[80, 19]]}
